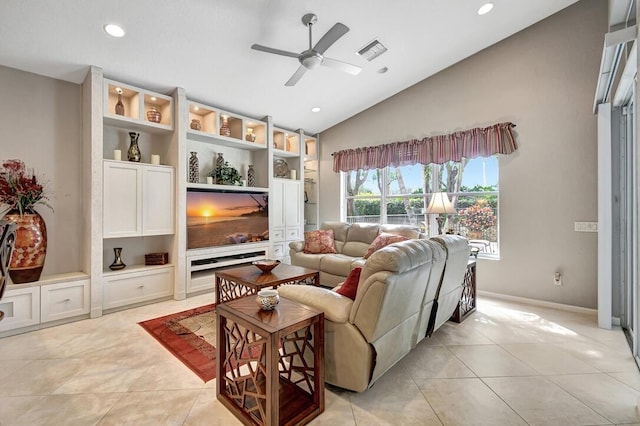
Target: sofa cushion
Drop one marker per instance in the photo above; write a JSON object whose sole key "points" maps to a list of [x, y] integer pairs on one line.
{"points": [[350, 286], [359, 237], [321, 241], [307, 260], [383, 240], [336, 264]]}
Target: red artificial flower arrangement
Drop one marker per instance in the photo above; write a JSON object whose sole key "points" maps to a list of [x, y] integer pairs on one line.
{"points": [[19, 189]]}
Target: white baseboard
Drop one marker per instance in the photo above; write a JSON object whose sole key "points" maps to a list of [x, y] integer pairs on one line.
{"points": [[543, 303]]}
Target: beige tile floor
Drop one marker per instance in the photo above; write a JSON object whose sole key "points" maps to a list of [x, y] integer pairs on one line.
{"points": [[506, 364]]}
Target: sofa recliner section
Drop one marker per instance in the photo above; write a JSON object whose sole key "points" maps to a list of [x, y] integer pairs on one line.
{"points": [[365, 337]]}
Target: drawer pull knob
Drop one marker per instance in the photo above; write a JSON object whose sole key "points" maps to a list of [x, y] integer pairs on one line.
{"points": [[67, 300], [140, 286]]}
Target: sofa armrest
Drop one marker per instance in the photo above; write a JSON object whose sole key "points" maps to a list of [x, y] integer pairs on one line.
{"points": [[296, 246], [336, 307]]}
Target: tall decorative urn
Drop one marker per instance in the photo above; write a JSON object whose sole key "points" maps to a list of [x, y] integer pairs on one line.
{"points": [[30, 248]]}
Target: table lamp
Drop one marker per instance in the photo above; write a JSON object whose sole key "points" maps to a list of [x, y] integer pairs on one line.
{"points": [[439, 204]]}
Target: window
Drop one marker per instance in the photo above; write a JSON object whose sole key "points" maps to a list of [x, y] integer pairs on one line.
{"points": [[400, 195]]}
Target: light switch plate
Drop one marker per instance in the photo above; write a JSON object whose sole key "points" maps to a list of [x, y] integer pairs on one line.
{"points": [[586, 226]]}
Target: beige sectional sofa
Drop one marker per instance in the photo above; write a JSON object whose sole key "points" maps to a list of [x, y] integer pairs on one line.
{"points": [[406, 290], [351, 243]]}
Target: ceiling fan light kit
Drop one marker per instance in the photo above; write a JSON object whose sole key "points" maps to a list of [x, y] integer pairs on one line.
{"points": [[314, 56]]}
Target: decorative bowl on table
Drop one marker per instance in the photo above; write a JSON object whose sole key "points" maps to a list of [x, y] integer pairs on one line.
{"points": [[266, 265], [268, 299]]}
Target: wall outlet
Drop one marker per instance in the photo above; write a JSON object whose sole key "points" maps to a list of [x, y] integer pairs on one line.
{"points": [[557, 278], [585, 226]]}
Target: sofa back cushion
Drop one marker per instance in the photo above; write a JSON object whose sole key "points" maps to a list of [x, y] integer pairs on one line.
{"points": [[340, 230], [408, 231], [359, 238]]}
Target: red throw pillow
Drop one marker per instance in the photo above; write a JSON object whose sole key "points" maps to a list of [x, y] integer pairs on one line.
{"points": [[317, 242], [350, 286], [383, 240]]}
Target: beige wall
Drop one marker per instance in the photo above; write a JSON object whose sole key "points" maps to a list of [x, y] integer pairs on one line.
{"points": [[543, 80], [41, 124]]}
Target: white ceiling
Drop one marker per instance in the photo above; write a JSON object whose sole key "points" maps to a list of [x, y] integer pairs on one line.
{"points": [[204, 47]]}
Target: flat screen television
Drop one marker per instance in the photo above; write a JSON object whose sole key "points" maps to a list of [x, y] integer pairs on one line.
{"points": [[217, 217]]}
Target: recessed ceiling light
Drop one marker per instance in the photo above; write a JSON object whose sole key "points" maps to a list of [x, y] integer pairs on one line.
{"points": [[153, 98], [195, 108], [485, 8], [315, 109], [114, 30]]}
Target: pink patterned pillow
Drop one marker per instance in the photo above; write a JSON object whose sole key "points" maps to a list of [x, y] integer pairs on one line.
{"points": [[383, 240], [317, 242]]}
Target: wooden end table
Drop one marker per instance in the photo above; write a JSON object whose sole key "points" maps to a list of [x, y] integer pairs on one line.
{"points": [[234, 283], [467, 304], [270, 367]]}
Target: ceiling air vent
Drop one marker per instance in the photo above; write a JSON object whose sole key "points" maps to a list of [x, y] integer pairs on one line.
{"points": [[372, 50]]}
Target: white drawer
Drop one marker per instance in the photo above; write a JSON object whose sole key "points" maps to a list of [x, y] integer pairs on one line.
{"points": [[277, 234], [64, 300], [141, 286], [293, 233], [21, 308], [279, 250]]}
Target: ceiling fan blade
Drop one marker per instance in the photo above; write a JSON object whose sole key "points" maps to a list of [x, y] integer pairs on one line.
{"points": [[337, 31], [296, 76], [274, 51], [342, 66]]}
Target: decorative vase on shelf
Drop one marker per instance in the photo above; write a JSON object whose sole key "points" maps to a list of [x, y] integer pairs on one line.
{"points": [[220, 161], [117, 264], [251, 176], [194, 168], [154, 115], [133, 154], [195, 124], [224, 127], [30, 247], [119, 105], [250, 137]]}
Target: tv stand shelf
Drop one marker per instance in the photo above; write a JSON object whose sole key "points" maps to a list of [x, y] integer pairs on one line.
{"points": [[202, 263]]}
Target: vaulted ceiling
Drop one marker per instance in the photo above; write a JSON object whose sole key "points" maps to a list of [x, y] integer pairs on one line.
{"points": [[204, 47]]}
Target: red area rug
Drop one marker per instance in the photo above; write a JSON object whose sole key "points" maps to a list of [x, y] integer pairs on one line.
{"points": [[179, 333]]}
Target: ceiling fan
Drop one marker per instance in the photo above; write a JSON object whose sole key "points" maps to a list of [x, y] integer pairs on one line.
{"points": [[314, 56]]}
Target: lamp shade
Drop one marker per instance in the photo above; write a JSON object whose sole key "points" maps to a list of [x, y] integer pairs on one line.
{"points": [[440, 204]]}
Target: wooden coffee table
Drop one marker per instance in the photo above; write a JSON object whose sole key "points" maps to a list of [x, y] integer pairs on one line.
{"points": [[234, 283], [270, 368]]}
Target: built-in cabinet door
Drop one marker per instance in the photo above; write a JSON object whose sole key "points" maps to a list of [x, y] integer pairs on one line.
{"points": [[157, 201], [292, 203], [122, 200], [276, 205]]}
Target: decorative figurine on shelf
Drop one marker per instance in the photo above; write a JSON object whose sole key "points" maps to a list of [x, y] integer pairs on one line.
{"points": [[224, 127], [133, 154], [195, 124], [154, 115], [194, 168], [119, 104], [250, 137], [251, 176], [117, 264]]}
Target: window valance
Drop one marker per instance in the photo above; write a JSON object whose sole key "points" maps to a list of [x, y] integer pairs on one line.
{"points": [[478, 142]]}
